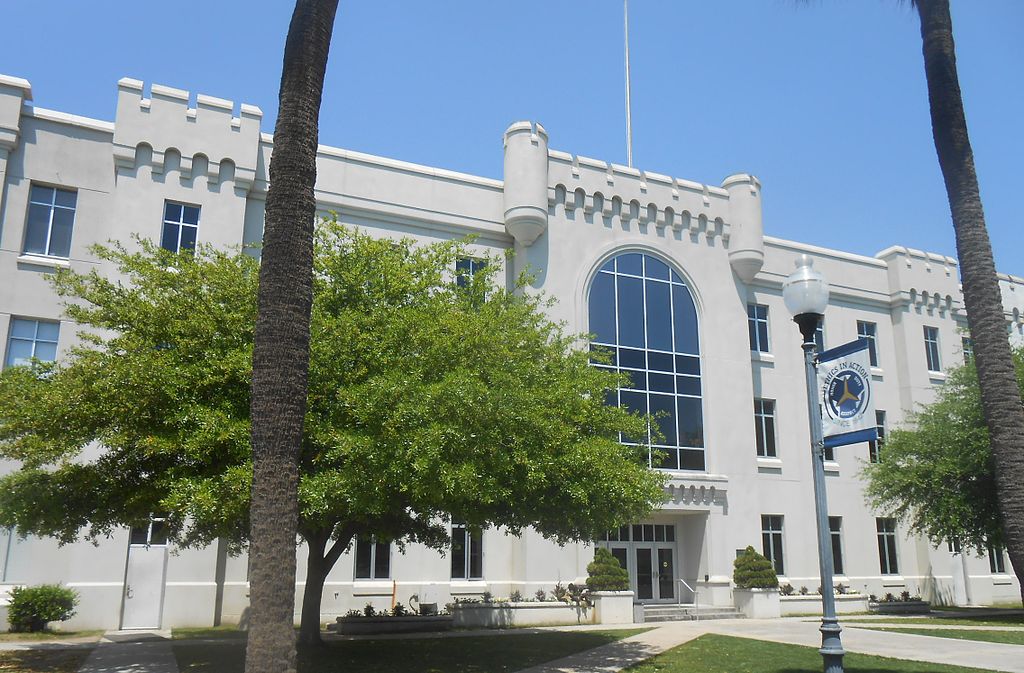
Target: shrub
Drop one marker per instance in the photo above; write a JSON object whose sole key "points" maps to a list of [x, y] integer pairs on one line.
{"points": [[803, 591], [559, 593], [399, 610], [753, 571], [787, 589], [30, 608], [605, 573], [516, 596], [541, 595], [487, 597], [369, 611]]}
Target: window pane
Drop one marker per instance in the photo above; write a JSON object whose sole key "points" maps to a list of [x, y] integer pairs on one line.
{"points": [[169, 241], [663, 408], [41, 194], [691, 459], [476, 555], [629, 357], [687, 365], [60, 234], [661, 383], [46, 351], [688, 385], [602, 308], [188, 238], [659, 328], [659, 361], [685, 320], [138, 535], [362, 559], [382, 561], [172, 212], [158, 533], [37, 229], [691, 422], [46, 331], [669, 459], [190, 214], [631, 312], [23, 329], [18, 352], [65, 198], [631, 263], [655, 268], [458, 552]]}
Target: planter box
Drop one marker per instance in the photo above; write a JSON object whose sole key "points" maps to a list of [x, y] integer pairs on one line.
{"points": [[811, 604], [757, 603], [612, 607], [354, 626], [508, 614], [900, 608]]}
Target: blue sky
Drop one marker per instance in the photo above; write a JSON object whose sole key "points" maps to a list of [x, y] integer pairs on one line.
{"points": [[825, 101]]}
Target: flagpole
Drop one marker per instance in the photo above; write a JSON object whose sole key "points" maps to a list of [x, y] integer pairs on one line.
{"points": [[629, 122]]}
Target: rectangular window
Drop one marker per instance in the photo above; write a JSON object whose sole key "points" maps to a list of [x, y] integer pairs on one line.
{"points": [[764, 427], [373, 559], [968, 348], [875, 447], [996, 560], [869, 331], [181, 225], [757, 325], [31, 339], [835, 532], [931, 348], [467, 553], [819, 335], [465, 267], [887, 560], [771, 541], [51, 217]]}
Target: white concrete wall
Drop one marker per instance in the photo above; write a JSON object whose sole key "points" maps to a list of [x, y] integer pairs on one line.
{"points": [[217, 158]]}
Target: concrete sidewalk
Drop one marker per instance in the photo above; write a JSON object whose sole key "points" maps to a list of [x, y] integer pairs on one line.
{"points": [[666, 635], [132, 652]]}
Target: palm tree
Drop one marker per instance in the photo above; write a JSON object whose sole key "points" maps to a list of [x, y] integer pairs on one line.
{"points": [[1000, 396], [281, 348]]}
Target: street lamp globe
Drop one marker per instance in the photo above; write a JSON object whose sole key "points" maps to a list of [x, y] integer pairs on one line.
{"points": [[805, 291]]}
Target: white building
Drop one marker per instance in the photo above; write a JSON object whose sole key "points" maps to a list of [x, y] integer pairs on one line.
{"points": [[731, 372]]}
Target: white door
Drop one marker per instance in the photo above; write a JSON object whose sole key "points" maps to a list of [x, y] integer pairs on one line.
{"points": [[144, 578]]}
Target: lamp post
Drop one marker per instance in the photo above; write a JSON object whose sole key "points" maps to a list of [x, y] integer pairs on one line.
{"points": [[806, 295]]}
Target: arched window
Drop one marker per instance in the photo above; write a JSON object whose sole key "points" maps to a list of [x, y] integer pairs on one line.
{"points": [[642, 312]]}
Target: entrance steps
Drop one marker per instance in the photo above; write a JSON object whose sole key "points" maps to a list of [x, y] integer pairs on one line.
{"points": [[687, 612]]}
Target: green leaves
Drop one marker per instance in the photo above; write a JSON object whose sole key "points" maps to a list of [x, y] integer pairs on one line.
{"points": [[937, 475], [429, 399]]}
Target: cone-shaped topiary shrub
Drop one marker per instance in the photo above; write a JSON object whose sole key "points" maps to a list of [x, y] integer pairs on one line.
{"points": [[753, 571], [605, 573]]}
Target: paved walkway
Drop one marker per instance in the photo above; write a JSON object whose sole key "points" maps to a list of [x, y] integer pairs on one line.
{"points": [[132, 652]]}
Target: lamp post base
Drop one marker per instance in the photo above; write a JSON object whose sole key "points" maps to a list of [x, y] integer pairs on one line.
{"points": [[831, 646]]}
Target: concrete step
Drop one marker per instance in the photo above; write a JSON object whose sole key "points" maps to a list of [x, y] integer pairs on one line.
{"points": [[677, 613]]}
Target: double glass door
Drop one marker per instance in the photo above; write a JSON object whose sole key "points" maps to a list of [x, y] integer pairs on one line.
{"points": [[651, 570]]}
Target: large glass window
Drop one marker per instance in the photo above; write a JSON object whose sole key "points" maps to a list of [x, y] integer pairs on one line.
{"points": [[835, 533], [51, 217], [968, 347], [181, 225], [869, 331], [996, 560], [465, 267], [467, 553], [931, 348], [643, 316], [373, 559], [875, 447], [31, 339], [771, 541], [764, 427], [887, 561], [757, 325]]}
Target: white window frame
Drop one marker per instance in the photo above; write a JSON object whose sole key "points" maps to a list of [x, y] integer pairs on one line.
{"points": [[769, 447], [52, 205], [767, 521], [35, 341], [756, 321], [869, 330], [931, 349], [375, 546], [888, 555]]}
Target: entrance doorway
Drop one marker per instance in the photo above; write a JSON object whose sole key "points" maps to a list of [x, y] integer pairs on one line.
{"points": [[648, 553], [143, 599]]}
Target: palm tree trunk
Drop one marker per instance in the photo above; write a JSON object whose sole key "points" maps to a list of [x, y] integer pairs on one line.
{"points": [[318, 565], [281, 349], [1000, 395]]}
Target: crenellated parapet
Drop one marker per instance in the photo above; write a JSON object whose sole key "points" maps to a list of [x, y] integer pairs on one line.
{"points": [[208, 137], [580, 186], [926, 281]]}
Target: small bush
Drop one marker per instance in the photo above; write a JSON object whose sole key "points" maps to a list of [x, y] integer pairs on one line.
{"points": [[605, 573], [31, 608], [369, 611], [487, 597], [541, 595], [516, 596], [803, 591], [787, 589], [559, 593], [753, 571], [399, 610]]}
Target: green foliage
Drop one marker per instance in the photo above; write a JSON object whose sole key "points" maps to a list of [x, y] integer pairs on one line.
{"points": [[605, 573], [753, 571], [31, 608], [427, 402], [937, 475]]}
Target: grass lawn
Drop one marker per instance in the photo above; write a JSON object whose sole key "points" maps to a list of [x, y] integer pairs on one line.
{"points": [[938, 620], [208, 633], [43, 661], [1011, 637], [726, 654], [468, 654], [8, 636]]}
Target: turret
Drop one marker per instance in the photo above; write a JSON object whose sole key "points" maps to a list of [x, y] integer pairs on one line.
{"points": [[526, 181], [746, 245], [14, 92]]}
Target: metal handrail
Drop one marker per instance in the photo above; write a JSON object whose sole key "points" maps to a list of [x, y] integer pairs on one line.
{"points": [[696, 605]]}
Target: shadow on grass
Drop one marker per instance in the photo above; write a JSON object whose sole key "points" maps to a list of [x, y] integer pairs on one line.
{"points": [[502, 653], [44, 660]]}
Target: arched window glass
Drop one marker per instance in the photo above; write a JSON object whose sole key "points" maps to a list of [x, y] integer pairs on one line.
{"points": [[643, 314]]}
